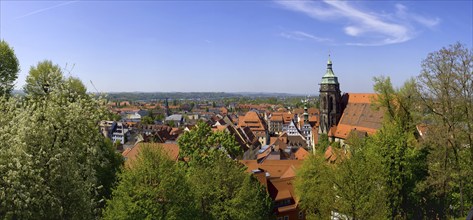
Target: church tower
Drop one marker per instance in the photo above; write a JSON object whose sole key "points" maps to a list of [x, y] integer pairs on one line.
{"points": [[330, 100]]}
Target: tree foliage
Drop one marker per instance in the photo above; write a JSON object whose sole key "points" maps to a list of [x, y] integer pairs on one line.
{"points": [[402, 159], [224, 191], [352, 187], [43, 78], [9, 68], [50, 154], [201, 143], [152, 187], [207, 185], [314, 187], [446, 90]]}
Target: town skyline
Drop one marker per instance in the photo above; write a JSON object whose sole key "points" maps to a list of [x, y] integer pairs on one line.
{"points": [[233, 47]]}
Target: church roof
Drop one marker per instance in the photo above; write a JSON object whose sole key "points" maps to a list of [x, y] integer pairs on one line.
{"points": [[359, 115], [329, 77]]}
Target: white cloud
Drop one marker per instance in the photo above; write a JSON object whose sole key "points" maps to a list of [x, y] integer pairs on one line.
{"points": [[300, 35], [402, 12], [370, 28]]}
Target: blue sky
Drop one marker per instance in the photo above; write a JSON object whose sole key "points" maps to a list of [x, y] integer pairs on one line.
{"points": [[232, 46]]}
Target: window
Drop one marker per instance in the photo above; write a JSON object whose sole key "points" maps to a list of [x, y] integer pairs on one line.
{"points": [[286, 217], [301, 215]]}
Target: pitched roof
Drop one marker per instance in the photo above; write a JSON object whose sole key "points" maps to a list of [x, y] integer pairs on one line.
{"points": [[276, 117], [330, 154], [279, 176], [301, 154], [291, 172], [253, 121], [171, 149], [275, 168], [359, 115], [298, 141]]}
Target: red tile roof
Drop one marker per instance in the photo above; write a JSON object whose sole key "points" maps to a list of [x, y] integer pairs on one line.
{"points": [[301, 154], [171, 149], [253, 121], [358, 115]]}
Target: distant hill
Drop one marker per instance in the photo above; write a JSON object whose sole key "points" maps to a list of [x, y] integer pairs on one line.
{"points": [[149, 96]]}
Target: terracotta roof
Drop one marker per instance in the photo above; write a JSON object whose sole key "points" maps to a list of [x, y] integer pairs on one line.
{"points": [[283, 194], [334, 155], [275, 168], [171, 149], [359, 115], [422, 129], [220, 128], [291, 172], [253, 121], [279, 144], [280, 180], [313, 118], [330, 155], [362, 97], [332, 131], [281, 189], [264, 153], [301, 154], [276, 118]]}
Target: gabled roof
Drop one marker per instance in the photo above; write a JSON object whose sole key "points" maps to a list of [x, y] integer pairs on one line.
{"points": [[291, 172], [253, 121], [279, 144], [275, 168], [276, 117], [301, 154], [171, 149]]}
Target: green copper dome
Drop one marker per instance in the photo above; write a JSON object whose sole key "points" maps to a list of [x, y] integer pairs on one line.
{"points": [[329, 77]]}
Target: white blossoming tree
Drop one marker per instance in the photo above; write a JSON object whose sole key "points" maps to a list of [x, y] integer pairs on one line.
{"points": [[51, 153]]}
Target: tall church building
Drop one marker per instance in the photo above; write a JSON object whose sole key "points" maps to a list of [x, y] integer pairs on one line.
{"points": [[330, 100]]}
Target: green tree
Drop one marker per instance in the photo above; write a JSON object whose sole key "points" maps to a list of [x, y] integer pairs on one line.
{"points": [[108, 170], [147, 120], [43, 78], [50, 155], [75, 85], [9, 68], [314, 187], [358, 182], [402, 159], [159, 117], [446, 91], [152, 187], [224, 191], [201, 143], [171, 123], [352, 187], [323, 142]]}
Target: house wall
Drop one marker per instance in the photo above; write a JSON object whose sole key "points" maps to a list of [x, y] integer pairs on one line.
{"points": [[291, 215]]}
